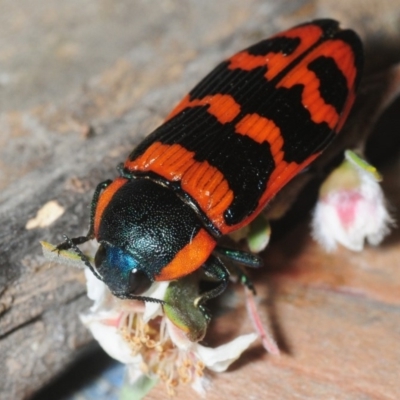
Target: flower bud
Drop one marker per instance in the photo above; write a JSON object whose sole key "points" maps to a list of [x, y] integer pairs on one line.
{"points": [[351, 207]]}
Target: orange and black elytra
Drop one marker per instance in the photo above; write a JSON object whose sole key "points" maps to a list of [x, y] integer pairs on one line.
{"points": [[224, 151]]}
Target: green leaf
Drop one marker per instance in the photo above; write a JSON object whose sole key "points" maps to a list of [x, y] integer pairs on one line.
{"points": [[181, 309]]}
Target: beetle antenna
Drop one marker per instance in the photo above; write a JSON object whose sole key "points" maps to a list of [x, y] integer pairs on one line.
{"points": [[86, 261], [140, 298], [82, 256]]}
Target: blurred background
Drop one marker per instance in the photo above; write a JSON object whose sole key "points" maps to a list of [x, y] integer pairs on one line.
{"points": [[81, 83]]}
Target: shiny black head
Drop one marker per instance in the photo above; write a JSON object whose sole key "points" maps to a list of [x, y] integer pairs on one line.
{"points": [[141, 230], [119, 271]]}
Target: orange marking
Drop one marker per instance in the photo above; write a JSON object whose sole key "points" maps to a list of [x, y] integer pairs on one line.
{"points": [[276, 62], [214, 182], [343, 55], [220, 208], [247, 62], [282, 175], [184, 103], [174, 158], [222, 106], [261, 130], [311, 97], [147, 160], [105, 199], [203, 182], [189, 258], [320, 111]]}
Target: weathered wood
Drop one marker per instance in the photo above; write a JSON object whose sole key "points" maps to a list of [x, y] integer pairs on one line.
{"points": [[85, 98]]}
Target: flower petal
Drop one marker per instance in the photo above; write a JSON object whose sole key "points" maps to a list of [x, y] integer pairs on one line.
{"points": [[178, 336], [110, 340], [98, 292], [156, 291], [220, 358]]}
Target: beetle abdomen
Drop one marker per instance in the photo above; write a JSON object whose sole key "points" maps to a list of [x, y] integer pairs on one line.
{"points": [[255, 121]]}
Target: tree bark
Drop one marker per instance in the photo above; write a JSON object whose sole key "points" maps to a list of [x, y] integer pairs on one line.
{"points": [[82, 86]]}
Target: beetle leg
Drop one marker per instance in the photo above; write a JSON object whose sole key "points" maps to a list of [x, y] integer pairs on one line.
{"points": [[67, 244], [242, 257], [243, 278], [215, 269]]}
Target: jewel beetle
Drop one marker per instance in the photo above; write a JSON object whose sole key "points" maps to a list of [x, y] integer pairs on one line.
{"points": [[224, 151]]}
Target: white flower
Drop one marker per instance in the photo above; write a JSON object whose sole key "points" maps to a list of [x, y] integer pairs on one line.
{"points": [[351, 207], [141, 336]]}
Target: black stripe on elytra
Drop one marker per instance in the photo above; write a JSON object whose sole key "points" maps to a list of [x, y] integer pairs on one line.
{"points": [[238, 157], [252, 91], [285, 45], [245, 164], [329, 27], [331, 30], [282, 44], [218, 78], [302, 137], [332, 82]]}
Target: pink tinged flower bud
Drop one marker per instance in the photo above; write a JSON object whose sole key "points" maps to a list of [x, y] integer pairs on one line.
{"points": [[351, 207]]}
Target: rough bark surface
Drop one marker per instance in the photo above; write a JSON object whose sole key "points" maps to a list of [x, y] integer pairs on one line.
{"points": [[80, 84]]}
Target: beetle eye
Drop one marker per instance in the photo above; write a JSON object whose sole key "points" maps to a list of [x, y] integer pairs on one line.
{"points": [[139, 282]]}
